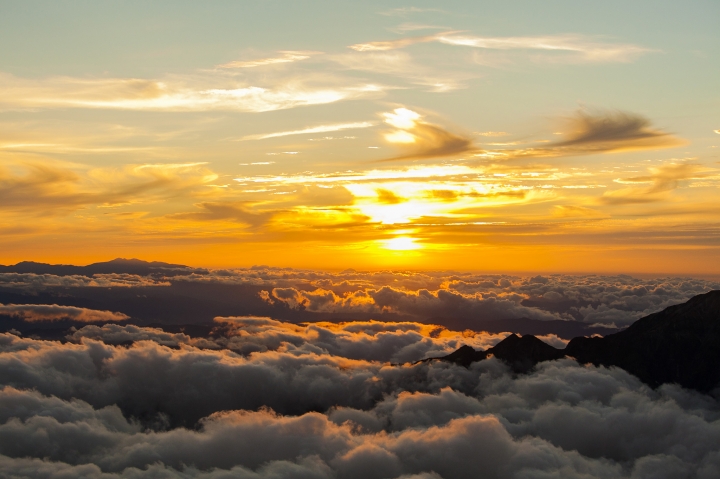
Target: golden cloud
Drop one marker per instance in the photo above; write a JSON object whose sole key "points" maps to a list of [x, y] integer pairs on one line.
{"points": [[286, 57], [177, 95], [421, 139], [52, 188], [388, 197], [613, 131], [579, 47], [662, 180], [54, 312], [225, 211]]}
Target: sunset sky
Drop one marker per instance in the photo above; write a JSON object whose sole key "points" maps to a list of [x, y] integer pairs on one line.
{"points": [[518, 136]]}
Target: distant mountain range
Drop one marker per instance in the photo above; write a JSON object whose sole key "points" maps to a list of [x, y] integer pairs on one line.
{"points": [[118, 266], [680, 344]]}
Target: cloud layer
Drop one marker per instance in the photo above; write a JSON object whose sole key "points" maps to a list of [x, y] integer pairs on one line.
{"points": [[53, 312], [608, 300], [100, 411], [456, 300]]}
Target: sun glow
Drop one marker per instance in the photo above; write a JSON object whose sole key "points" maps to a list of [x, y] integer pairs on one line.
{"points": [[401, 243], [400, 136], [402, 118]]}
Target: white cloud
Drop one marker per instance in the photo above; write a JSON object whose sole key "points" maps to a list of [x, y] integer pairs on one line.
{"points": [[584, 48], [313, 129], [425, 421], [192, 94], [286, 57]]}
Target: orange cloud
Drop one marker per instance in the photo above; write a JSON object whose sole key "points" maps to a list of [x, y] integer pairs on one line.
{"points": [[54, 312], [421, 139]]}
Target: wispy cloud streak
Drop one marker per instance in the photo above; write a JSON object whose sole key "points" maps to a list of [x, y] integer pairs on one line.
{"points": [[141, 94], [286, 57], [310, 130], [589, 50]]}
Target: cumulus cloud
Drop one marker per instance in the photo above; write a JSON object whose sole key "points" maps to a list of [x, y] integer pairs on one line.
{"points": [[35, 282], [54, 312], [472, 297], [395, 342], [93, 410], [128, 333], [439, 304], [457, 300]]}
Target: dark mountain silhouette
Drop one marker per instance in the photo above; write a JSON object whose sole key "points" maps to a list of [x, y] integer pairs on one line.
{"points": [[680, 344], [520, 352], [563, 329], [118, 265]]}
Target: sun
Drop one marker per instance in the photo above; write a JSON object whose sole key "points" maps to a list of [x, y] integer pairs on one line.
{"points": [[401, 243]]}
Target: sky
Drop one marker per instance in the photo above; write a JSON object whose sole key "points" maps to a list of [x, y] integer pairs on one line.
{"points": [[522, 136]]}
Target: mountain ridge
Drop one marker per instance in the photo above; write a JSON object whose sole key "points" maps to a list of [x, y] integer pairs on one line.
{"points": [[117, 266], [680, 344]]}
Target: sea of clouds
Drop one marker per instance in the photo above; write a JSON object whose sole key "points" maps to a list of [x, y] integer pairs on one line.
{"points": [[459, 300], [268, 399]]}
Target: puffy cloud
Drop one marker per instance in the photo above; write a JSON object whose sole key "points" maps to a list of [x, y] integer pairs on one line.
{"points": [[458, 300], [54, 312], [396, 342], [426, 421], [31, 281], [129, 333], [475, 298]]}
